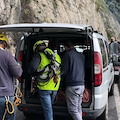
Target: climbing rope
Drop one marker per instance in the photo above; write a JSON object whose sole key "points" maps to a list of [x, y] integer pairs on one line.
{"points": [[18, 94], [9, 107]]}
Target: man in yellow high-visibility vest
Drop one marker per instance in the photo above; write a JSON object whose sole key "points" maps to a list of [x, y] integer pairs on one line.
{"points": [[47, 87]]}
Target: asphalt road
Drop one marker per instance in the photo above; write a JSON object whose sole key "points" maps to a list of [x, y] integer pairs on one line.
{"points": [[113, 105], [113, 108]]}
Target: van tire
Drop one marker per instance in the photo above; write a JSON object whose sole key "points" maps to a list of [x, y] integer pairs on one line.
{"points": [[111, 90], [104, 115]]}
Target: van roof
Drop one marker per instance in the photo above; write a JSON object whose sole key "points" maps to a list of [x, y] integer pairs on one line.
{"points": [[45, 27]]}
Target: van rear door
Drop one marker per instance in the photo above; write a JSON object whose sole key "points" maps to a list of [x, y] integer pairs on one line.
{"points": [[46, 27]]}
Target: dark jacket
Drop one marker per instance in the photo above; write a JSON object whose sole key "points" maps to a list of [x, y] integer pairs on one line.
{"points": [[73, 68], [36, 59], [9, 68], [114, 48]]}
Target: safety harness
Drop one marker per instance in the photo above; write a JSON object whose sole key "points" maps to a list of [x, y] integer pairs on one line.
{"points": [[18, 93], [45, 74], [50, 69], [9, 110]]}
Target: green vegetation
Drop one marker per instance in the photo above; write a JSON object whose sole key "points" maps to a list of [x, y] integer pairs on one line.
{"points": [[26, 11], [47, 20], [100, 5], [102, 8], [28, 0], [54, 4], [114, 7], [36, 15]]}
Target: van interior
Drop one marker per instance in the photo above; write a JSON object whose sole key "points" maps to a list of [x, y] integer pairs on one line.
{"points": [[82, 43]]}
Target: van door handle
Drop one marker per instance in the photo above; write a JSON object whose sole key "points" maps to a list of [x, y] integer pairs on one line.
{"points": [[105, 69]]}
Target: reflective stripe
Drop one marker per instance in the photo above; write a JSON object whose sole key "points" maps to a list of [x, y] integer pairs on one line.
{"points": [[44, 62], [44, 75]]}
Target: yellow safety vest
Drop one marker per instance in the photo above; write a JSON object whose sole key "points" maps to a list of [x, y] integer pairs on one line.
{"points": [[50, 85]]}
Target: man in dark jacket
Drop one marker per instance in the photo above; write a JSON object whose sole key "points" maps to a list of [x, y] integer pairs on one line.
{"points": [[9, 68], [73, 74], [114, 46]]}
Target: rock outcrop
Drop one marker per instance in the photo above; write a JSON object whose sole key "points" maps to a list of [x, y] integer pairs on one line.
{"points": [[90, 12]]}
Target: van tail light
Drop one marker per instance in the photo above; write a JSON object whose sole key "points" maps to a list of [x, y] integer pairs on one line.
{"points": [[98, 69], [83, 114], [20, 57], [26, 109]]}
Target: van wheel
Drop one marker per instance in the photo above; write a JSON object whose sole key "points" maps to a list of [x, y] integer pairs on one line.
{"points": [[104, 115], [111, 90]]}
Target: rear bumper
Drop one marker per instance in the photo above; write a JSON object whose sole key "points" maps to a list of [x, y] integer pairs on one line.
{"points": [[59, 110], [92, 114], [35, 108], [30, 108]]}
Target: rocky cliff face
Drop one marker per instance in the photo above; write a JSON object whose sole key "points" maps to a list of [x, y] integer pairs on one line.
{"points": [[90, 12]]}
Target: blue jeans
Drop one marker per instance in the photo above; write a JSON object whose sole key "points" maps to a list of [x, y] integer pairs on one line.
{"points": [[47, 98], [74, 96], [2, 108]]}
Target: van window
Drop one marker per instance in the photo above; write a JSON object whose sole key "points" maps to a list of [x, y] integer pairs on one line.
{"points": [[108, 52], [103, 52], [77, 47]]}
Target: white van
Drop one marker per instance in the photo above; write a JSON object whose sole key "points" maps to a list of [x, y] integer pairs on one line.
{"points": [[99, 71]]}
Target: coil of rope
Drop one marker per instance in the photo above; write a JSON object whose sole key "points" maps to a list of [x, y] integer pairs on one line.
{"points": [[17, 94], [9, 107], [60, 95]]}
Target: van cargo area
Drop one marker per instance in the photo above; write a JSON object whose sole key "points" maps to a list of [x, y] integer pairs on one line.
{"points": [[55, 42]]}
